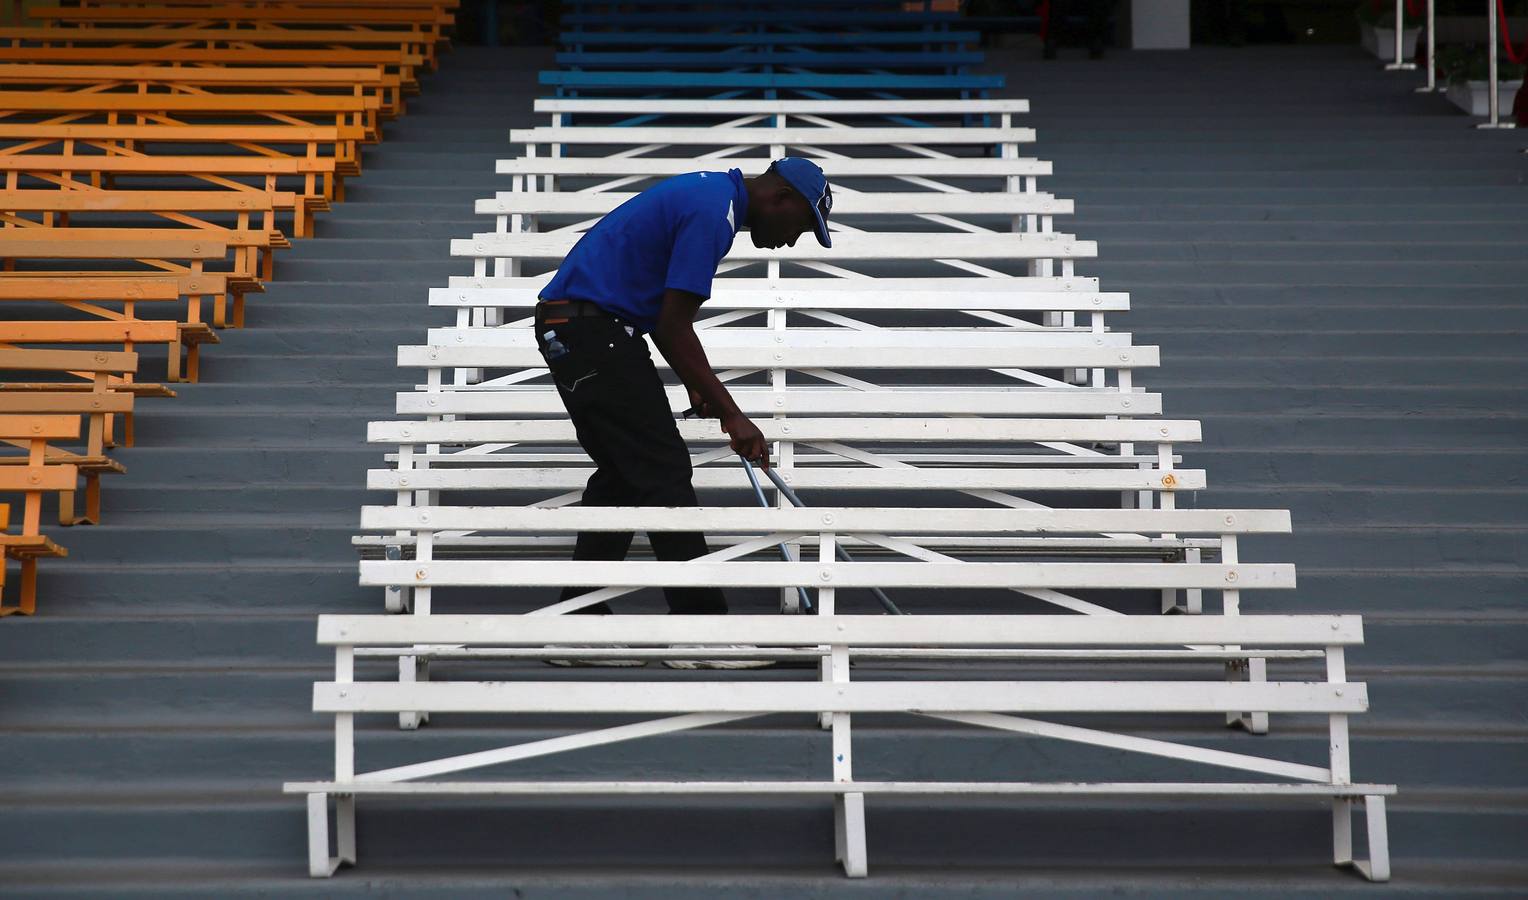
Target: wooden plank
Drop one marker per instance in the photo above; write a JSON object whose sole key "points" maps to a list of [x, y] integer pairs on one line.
{"points": [[846, 246], [89, 289], [1083, 475], [878, 429], [36, 478], [846, 203], [144, 200], [912, 339], [637, 80], [169, 165], [68, 402], [844, 520], [753, 137], [33, 427], [230, 237], [1010, 292], [68, 360], [787, 357], [662, 106], [35, 73], [836, 168], [97, 332], [904, 400], [52, 247], [56, 103], [965, 575], [1131, 789], [853, 697]]}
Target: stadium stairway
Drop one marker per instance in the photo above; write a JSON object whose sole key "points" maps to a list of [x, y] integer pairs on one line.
{"points": [[1335, 270]]}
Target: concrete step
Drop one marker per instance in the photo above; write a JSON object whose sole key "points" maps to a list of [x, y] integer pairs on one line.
{"points": [[53, 763]]}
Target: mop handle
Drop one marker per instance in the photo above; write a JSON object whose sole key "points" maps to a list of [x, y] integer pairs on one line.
{"points": [[841, 552], [785, 554]]}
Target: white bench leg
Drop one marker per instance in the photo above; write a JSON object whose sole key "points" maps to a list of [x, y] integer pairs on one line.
{"points": [[344, 828], [412, 668], [1377, 866], [320, 863], [849, 834]]}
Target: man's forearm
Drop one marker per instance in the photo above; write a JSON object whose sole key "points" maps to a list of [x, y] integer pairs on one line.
{"points": [[687, 357]]}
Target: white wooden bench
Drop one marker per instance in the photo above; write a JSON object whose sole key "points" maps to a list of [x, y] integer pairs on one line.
{"points": [[781, 112], [1011, 704]]}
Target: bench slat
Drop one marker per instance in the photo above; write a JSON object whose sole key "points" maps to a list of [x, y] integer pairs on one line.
{"points": [[853, 697], [996, 575], [823, 478], [846, 203], [1150, 789], [949, 339], [1037, 294], [973, 430], [903, 401], [844, 520], [813, 135], [787, 357], [849, 167], [846, 246], [665, 106]]}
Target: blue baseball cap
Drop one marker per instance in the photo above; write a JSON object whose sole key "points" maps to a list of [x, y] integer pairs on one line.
{"points": [[807, 178]]}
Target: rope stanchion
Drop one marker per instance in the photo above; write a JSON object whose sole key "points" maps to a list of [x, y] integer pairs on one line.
{"points": [[1518, 58], [1432, 49], [1401, 63], [1496, 13]]}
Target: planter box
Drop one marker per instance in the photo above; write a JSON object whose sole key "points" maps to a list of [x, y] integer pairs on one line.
{"points": [[1381, 41], [1474, 97]]}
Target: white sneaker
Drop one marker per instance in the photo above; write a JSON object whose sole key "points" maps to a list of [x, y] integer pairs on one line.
{"points": [[716, 663], [591, 662]]}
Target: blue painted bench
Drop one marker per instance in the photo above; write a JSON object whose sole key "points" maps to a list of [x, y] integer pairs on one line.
{"points": [[793, 39], [950, 61], [571, 82]]}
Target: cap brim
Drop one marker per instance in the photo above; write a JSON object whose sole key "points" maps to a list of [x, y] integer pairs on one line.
{"points": [[820, 225]]}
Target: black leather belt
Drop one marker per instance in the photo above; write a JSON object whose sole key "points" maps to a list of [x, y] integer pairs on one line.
{"points": [[553, 312]]}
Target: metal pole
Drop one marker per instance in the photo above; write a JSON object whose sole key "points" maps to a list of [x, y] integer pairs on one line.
{"points": [[842, 553], [785, 553], [1432, 42], [1494, 101], [1399, 28]]}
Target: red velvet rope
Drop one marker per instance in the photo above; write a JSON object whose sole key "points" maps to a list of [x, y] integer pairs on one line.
{"points": [[1517, 57], [1044, 10]]}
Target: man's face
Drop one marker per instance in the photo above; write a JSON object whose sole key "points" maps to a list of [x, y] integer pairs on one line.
{"points": [[783, 218]]}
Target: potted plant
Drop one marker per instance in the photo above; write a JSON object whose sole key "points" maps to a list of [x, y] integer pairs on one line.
{"points": [[1376, 28], [1466, 68]]}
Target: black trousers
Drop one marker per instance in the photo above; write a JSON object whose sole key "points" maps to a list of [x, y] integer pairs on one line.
{"points": [[621, 414]]}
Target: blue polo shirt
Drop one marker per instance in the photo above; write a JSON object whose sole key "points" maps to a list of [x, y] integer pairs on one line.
{"points": [[672, 235]]}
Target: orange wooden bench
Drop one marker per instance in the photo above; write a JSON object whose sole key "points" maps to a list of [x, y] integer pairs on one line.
{"points": [[427, 23], [178, 255], [97, 406], [127, 333], [403, 66], [370, 81], [116, 298], [171, 109], [338, 143], [66, 171], [247, 245], [410, 41], [57, 208], [33, 478], [185, 244]]}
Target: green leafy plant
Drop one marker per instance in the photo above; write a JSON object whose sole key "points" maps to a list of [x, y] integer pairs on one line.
{"points": [[1459, 63]]}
